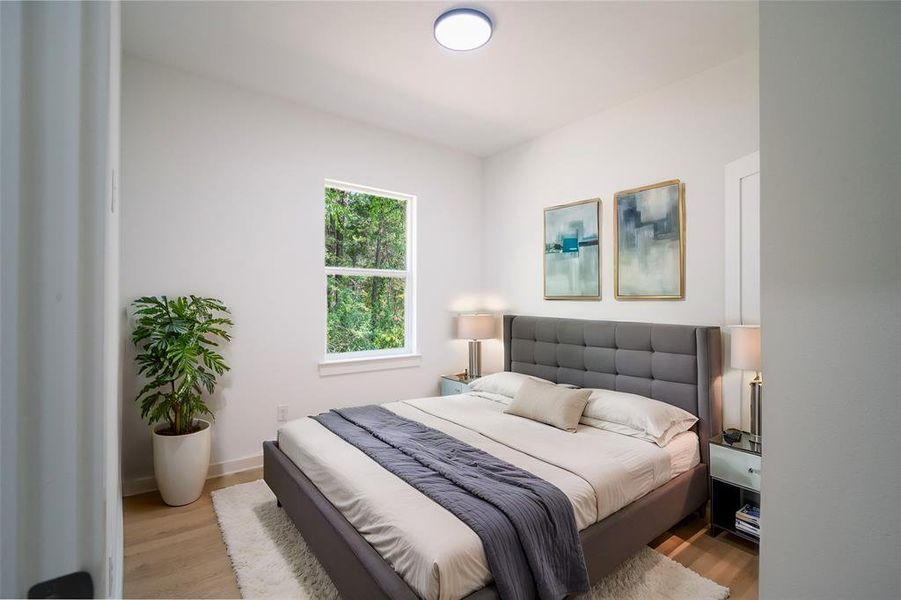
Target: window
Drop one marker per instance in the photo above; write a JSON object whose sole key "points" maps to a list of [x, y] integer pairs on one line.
{"points": [[369, 272]]}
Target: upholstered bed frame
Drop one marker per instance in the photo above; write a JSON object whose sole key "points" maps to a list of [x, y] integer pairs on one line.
{"points": [[677, 364]]}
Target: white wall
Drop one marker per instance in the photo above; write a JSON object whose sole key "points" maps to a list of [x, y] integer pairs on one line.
{"points": [[247, 171], [689, 130], [831, 299], [222, 195]]}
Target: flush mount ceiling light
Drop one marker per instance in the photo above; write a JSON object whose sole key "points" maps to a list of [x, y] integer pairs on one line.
{"points": [[463, 29]]}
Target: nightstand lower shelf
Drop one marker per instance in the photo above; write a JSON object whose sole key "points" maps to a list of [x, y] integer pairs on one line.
{"points": [[725, 499]]}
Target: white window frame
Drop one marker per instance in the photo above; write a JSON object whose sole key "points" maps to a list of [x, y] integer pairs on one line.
{"points": [[367, 360]]}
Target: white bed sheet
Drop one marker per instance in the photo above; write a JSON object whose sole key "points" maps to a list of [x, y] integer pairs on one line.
{"points": [[436, 553], [684, 452]]}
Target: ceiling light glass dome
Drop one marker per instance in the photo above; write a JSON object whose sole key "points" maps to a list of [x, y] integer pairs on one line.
{"points": [[463, 29]]}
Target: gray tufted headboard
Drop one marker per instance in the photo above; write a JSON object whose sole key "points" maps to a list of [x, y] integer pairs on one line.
{"points": [[676, 364]]}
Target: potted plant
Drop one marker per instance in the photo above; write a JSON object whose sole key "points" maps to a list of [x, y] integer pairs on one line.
{"points": [[176, 340]]}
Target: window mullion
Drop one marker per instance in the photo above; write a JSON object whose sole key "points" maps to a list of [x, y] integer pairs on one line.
{"points": [[353, 271]]}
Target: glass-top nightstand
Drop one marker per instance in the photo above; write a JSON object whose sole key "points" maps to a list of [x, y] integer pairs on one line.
{"points": [[745, 444], [735, 471], [455, 384]]}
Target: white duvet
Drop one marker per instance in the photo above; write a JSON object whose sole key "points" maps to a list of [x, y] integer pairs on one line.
{"points": [[437, 554]]}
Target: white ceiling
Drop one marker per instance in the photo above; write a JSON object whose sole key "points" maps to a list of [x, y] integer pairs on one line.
{"points": [[548, 64]]}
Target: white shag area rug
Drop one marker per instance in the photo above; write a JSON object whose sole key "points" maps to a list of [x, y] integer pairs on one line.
{"points": [[271, 559]]}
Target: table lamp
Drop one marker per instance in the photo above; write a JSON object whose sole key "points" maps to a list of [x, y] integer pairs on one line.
{"points": [[474, 328], [745, 350]]}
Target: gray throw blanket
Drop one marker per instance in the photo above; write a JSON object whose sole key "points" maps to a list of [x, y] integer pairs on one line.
{"points": [[526, 524]]}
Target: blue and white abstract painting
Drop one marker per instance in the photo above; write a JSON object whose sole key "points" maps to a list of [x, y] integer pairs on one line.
{"points": [[572, 252], [649, 242]]}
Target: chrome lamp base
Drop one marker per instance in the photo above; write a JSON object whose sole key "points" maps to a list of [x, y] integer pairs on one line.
{"points": [[475, 359], [756, 430]]}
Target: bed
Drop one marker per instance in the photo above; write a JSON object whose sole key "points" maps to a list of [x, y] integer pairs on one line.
{"points": [[379, 538]]}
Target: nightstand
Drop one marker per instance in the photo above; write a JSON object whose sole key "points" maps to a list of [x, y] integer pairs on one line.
{"points": [[455, 384], [734, 482]]}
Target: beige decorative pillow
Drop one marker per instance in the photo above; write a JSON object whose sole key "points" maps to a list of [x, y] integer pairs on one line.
{"points": [[548, 403]]}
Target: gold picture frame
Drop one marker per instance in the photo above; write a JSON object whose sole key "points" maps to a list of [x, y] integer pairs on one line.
{"points": [[544, 256], [618, 199]]}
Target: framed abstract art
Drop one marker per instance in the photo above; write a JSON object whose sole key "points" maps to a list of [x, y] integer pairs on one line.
{"points": [[572, 251], [649, 242]]}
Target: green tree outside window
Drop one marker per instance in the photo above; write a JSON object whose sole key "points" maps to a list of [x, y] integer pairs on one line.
{"points": [[365, 231]]}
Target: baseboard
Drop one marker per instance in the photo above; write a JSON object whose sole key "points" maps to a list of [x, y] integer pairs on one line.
{"points": [[141, 485]]}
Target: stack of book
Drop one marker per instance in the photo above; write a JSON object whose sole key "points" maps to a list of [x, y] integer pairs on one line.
{"points": [[747, 520]]}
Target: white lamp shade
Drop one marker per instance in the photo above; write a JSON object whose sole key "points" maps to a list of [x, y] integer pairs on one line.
{"points": [[745, 348], [475, 327]]}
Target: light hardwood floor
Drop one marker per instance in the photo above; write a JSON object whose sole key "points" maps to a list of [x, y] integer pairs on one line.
{"points": [[177, 552]]}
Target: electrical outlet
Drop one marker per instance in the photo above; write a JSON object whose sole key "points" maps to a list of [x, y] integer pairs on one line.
{"points": [[282, 413]]}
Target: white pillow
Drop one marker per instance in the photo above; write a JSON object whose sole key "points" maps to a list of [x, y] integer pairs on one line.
{"points": [[617, 428], [638, 416], [505, 383]]}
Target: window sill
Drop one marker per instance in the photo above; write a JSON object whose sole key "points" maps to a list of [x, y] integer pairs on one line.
{"points": [[345, 366]]}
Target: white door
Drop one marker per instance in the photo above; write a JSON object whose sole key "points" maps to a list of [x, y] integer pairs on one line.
{"points": [[742, 277], [60, 499]]}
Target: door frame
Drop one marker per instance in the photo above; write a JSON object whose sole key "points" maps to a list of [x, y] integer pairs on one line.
{"points": [[734, 380]]}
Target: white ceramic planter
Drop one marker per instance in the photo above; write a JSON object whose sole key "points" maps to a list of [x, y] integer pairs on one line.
{"points": [[181, 463]]}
